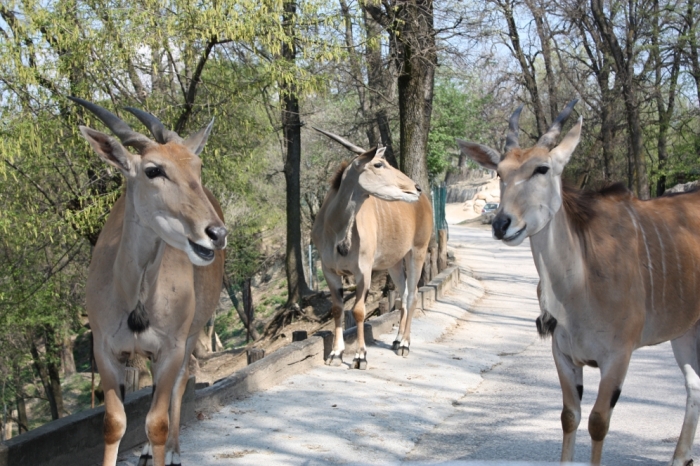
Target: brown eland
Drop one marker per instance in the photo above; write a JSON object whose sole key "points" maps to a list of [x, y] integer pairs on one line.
{"points": [[616, 274], [155, 275], [373, 218]]}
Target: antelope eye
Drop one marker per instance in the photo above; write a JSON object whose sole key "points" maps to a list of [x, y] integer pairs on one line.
{"points": [[378, 165], [153, 172], [541, 170]]}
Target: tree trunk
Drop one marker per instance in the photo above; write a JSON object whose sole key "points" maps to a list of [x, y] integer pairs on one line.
{"points": [[291, 123], [527, 68], [46, 382], [249, 324], [381, 89], [624, 67], [53, 366], [417, 61], [67, 360]]}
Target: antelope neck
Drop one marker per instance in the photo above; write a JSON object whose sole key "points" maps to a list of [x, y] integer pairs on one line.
{"points": [[138, 259]]}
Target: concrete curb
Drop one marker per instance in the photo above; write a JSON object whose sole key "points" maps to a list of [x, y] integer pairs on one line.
{"points": [[77, 439]]}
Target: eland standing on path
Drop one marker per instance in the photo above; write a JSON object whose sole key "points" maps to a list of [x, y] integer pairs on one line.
{"points": [[616, 273], [156, 273], [373, 218]]}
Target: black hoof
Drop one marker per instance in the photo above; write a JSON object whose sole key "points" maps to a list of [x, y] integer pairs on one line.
{"points": [[334, 360], [689, 463], [144, 459], [395, 345], [402, 351], [359, 363]]}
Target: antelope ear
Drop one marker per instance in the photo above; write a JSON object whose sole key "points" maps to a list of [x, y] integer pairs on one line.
{"points": [[109, 149], [196, 141], [562, 153], [481, 154], [367, 156]]}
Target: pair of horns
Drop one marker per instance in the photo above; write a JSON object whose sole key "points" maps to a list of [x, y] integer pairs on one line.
{"points": [[123, 131], [548, 139]]}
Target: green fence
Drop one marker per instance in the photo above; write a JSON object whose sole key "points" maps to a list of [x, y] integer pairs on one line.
{"points": [[439, 201]]}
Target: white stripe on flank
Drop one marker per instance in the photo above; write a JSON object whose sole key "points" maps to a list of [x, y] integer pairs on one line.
{"points": [[663, 264], [639, 228], [678, 262]]}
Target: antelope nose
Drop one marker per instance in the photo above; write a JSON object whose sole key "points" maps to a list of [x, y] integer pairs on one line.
{"points": [[217, 235], [418, 189], [500, 225]]}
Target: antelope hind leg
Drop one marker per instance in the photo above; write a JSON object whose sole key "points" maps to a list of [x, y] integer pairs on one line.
{"points": [[414, 264], [685, 351], [398, 276], [335, 284], [363, 283]]}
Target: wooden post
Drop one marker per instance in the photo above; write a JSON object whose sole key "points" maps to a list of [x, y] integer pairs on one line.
{"points": [[349, 320], [131, 381], [255, 354], [425, 276], [442, 250], [248, 307], [383, 307], [393, 296], [299, 335]]}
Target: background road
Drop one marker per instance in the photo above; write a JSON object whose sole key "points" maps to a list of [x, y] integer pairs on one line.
{"points": [[478, 384]]}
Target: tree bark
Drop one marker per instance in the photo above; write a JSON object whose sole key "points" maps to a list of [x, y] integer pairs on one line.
{"points": [[417, 62], [624, 68], [526, 66], [67, 360], [249, 325], [381, 89], [291, 123]]}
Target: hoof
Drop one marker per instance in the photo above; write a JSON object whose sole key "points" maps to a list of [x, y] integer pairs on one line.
{"points": [[145, 460], [395, 345], [172, 459], [689, 463], [335, 359], [359, 363], [402, 351]]}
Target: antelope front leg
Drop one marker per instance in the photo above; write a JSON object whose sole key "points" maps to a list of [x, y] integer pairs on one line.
{"points": [[612, 376], [165, 374], [112, 376], [335, 284], [363, 283], [172, 455], [571, 381], [685, 349]]}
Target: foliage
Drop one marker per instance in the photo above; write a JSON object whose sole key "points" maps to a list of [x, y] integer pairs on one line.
{"points": [[456, 112]]}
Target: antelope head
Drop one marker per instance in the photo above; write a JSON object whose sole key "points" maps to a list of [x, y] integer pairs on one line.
{"points": [[530, 178], [163, 181], [374, 175]]}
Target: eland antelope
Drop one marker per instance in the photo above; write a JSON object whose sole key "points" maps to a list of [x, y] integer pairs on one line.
{"points": [[616, 273], [373, 218], [155, 275]]}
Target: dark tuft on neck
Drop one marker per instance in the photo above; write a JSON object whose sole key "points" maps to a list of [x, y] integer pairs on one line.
{"points": [[338, 177]]}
